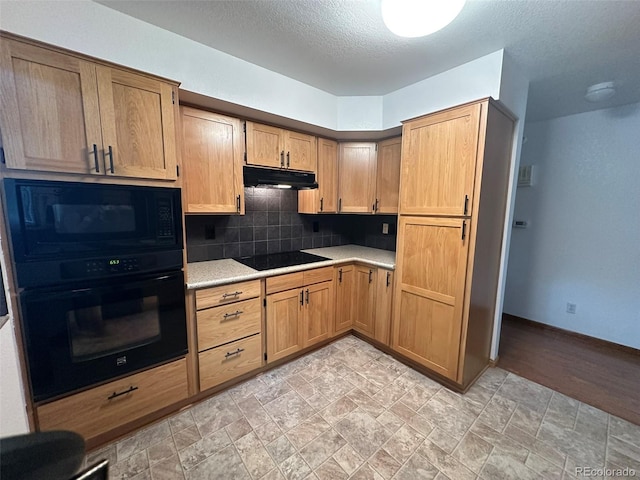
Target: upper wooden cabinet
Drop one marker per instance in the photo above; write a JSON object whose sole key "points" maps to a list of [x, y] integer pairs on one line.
{"points": [[278, 148], [63, 113], [212, 157], [357, 177], [388, 176], [439, 162], [324, 199]]}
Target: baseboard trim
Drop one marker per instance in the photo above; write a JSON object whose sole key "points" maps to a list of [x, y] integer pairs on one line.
{"points": [[596, 342]]}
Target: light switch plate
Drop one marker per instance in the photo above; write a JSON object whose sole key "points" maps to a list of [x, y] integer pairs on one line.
{"points": [[385, 229]]}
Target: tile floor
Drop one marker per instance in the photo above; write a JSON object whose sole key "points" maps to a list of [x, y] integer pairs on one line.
{"points": [[351, 411]]}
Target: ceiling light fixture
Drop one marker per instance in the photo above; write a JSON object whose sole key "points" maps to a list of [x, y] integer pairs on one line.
{"points": [[600, 92], [417, 18]]}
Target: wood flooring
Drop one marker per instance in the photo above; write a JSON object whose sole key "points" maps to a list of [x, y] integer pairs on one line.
{"points": [[603, 375]]}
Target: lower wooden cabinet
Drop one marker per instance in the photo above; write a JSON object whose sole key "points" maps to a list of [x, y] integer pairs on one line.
{"points": [[219, 325], [217, 365], [382, 308], [344, 277], [430, 291], [103, 408], [364, 298], [284, 323], [299, 317]]}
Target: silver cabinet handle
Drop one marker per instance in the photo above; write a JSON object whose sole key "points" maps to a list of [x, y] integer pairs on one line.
{"points": [[231, 354], [340, 275], [388, 276], [288, 159], [234, 314], [234, 294], [307, 296], [282, 158], [370, 276]]}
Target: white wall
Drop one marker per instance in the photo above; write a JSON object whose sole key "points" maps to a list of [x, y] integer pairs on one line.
{"points": [[514, 91], [93, 29], [583, 243], [13, 414], [473, 80]]}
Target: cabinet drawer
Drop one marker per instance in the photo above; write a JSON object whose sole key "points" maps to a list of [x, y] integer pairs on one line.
{"points": [[318, 275], [96, 411], [229, 361], [227, 323], [284, 282], [212, 297]]}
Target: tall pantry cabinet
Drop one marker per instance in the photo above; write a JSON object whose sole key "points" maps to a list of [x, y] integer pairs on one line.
{"points": [[453, 189]]}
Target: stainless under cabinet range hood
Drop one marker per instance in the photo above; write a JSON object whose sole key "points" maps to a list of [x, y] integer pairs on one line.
{"points": [[271, 178]]}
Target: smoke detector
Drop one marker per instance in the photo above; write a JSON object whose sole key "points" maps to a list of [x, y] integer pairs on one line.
{"points": [[600, 92]]}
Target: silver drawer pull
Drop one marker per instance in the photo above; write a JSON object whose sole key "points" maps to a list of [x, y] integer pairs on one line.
{"points": [[129, 390], [231, 354], [234, 294], [234, 314]]}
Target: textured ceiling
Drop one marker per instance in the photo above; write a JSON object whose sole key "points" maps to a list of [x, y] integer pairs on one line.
{"points": [[343, 47]]}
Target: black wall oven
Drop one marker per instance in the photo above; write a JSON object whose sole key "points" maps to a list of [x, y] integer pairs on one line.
{"points": [[99, 272]]}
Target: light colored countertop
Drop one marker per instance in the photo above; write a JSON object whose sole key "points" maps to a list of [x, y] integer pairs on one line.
{"points": [[221, 272]]}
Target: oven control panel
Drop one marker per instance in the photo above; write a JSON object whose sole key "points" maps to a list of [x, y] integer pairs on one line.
{"points": [[112, 265]]}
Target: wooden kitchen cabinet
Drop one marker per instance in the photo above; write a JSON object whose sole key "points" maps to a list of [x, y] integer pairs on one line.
{"points": [[454, 181], [357, 177], [103, 408], [212, 157], [64, 113], [364, 299], [344, 279], [229, 331], [432, 262], [388, 176], [439, 162], [324, 199], [318, 314], [383, 304], [284, 323], [269, 146], [300, 316]]}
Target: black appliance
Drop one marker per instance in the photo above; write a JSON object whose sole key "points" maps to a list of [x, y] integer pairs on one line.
{"points": [[77, 335], [99, 272], [267, 177], [279, 260], [66, 231]]}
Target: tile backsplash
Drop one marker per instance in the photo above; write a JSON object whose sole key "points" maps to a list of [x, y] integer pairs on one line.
{"points": [[272, 224]]}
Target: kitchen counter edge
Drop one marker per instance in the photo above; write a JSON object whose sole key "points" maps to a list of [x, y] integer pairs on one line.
{"points": [[242, 273]]}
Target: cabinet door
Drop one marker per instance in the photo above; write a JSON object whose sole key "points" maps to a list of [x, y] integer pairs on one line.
{"points": [[365, 289], [324, 199], [318, 315], [138, 128], [344, 285], [213, 149], [300, 151], [284, 323], [49, 111], [439, 162], [430, 284], [357, 171], [384, 296], [388, 176], [265, 145]]}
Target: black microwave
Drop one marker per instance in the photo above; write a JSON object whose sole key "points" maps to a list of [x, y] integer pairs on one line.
{"points": [[70, 231]]}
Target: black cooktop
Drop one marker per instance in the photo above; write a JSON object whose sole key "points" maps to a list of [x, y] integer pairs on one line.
{"points": [[279, 260]]}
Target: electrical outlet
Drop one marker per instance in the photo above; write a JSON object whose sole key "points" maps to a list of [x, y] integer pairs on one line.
{"points": [[571, 308], [385, 229]]}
